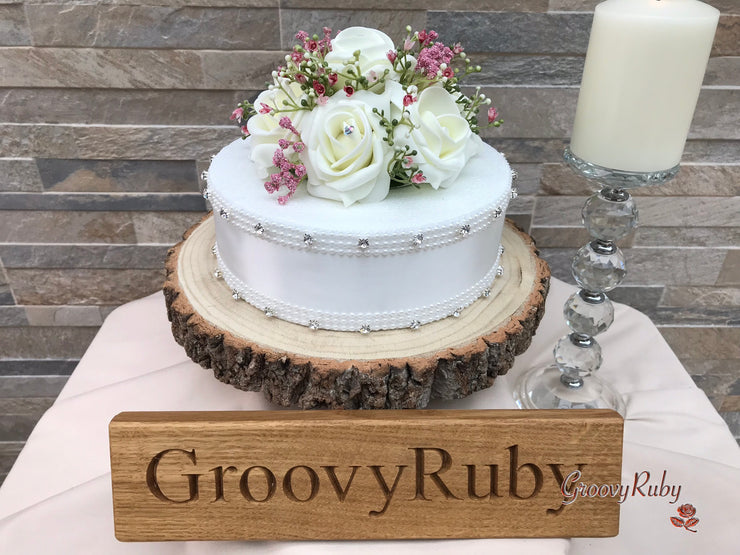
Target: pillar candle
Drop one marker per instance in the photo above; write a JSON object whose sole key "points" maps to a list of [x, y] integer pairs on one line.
{"points": [[644, 68]]}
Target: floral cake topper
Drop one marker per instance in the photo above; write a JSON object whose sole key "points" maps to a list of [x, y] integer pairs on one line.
{"points": [[355, 115]]}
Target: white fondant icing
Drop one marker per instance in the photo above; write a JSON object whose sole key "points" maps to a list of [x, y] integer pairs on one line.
{"points": [[389, 284]]}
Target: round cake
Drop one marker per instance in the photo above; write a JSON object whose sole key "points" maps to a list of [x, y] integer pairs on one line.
{"points": [[418, 256]]}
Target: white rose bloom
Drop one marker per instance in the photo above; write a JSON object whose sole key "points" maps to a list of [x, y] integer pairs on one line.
{"points": [[372, 44], [441, 136], [346, 158], [265, 130]]}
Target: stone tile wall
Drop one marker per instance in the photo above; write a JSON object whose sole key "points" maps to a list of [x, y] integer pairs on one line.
{"points": [[109, 110]]}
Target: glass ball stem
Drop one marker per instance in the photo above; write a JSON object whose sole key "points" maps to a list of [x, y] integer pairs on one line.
{"points": [[598, 267]]}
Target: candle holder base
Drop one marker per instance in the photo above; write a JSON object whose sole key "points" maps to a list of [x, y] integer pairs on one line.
{"points": [[545, 388]]}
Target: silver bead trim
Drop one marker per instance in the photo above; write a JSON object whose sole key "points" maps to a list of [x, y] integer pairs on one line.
{"points": [[500, 271], [213, 249], [205, 193], [258, 229], [344, 244], [514, 193], [363, 244], [457, 312], [204, 175], [224, 214], [307, 239], [269, 313], [464, 230], [313, 325], [217, 273], [486, 293], [514, 175], [418, 239], [354, 321], [364, 330], [415, 325]]}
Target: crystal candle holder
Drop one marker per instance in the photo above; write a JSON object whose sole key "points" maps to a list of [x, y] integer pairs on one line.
{"points": [[598, 267]]}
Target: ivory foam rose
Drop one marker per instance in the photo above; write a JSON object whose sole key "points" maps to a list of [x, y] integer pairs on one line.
{"points": [[441, 136], [346, 158], [372, 44]]}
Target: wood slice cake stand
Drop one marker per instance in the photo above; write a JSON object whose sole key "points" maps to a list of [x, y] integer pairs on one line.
{"points": [[294, 365]]}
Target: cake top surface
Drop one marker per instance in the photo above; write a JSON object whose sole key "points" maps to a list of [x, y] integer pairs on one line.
{"points": [[482, 186]]}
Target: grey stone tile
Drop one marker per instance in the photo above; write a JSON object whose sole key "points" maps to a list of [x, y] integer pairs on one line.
{"points": [[16, 427], [712, 119], [714, 386], [9, 451], [731, 403], [45, 342], [561, 33], [30, 386], [523, 204], [572, 237], [701, 296], [725, 6], [83, 286], [119, 106], [711, 152], [106, 310], [735, 386], [723, 71], [36, 367], [528, 178], [703, 342], [106, 26], [392, 22], [16, 405], [540, 70], [163, 227], [103, 201], [647, 266], [573, 5], [168, 176], [101, 68], [712, 367], [63, 315], [727, 37], [19, 174], [238, 70], [30, 226], [687, 237], [13, 316], [695, 316], [692, 180], [730, 273], [733, 422], [114, 142], [84, 256], [654, 211], [14, 29], [532, 112], [478, 5], [642, 298], [6, 295], [528, 151]]}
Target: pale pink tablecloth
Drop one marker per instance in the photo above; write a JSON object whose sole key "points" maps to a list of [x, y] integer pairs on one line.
{"points": [[57, 497]]}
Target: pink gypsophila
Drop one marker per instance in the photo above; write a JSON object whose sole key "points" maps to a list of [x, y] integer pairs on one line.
{"points": [[391, 55], [285, 123], [349, 91], [319, 88], [265, 108], [431, 58], [408, 100], [237, 115], [245, 129], [427, 38]]}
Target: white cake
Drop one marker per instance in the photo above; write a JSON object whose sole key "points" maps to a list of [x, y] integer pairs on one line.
{"points": [[363, 197], [418, 256]]}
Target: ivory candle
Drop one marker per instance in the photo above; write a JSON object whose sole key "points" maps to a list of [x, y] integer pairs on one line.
{"points": [[644, 68]]}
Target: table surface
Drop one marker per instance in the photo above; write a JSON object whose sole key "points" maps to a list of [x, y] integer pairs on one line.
{"points": [[57, 497]]}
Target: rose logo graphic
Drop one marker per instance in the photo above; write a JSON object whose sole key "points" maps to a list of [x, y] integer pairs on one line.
{"points": [[687, 511]]}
